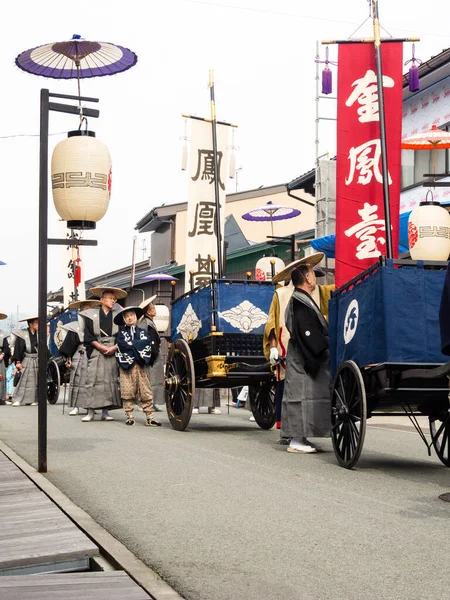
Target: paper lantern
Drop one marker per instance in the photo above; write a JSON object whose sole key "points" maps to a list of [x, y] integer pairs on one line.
{"points": [[161, 318], [429, 232], [81, 179], [263, 270]]}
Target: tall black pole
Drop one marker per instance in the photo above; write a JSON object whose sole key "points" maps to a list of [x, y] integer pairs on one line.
{"points": [[42, 283], [216, 176], [384, 156]]}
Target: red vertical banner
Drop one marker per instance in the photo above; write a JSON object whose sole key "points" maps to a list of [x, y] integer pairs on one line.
{"points": [[360, 226]]}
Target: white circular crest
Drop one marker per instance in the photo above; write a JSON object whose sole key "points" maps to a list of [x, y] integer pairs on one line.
{"points": [[351, 321]]}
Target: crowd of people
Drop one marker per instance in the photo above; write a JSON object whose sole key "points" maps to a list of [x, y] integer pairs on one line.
{"points": [[111, 358], [114, 358]]}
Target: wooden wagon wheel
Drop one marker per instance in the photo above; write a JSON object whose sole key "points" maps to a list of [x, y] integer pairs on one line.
{"points": [[440, 434], [179, 384], [262, 403], [53, 382], [348, 414]]}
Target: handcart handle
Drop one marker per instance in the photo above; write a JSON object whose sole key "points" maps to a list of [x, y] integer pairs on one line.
{"points": [[434, 373]]}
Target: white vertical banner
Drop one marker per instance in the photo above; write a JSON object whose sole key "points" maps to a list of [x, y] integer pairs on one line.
{"points": [[201, 243], [69, 255]]}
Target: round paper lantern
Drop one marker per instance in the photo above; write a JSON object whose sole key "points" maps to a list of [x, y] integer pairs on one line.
{"points": [[429, 232], [81, 179], [161, 319], [263, 269]]}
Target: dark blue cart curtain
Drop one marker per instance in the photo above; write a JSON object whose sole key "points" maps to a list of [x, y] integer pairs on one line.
{"points": [[241, 307], [395, 318]]}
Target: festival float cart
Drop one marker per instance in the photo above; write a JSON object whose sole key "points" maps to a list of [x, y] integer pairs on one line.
{"points": [[217, 342], [385, 355]]}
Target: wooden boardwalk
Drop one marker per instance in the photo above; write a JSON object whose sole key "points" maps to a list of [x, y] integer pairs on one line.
{"points": [[35, 535], [110, 585]]}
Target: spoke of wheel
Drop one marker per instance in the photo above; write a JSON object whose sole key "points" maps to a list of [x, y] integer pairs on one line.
{"points": [[439, 431], [444, 440], [336, 425], [339, 397], [339, 435], [354, 434], [344, 396], [355, 402]]}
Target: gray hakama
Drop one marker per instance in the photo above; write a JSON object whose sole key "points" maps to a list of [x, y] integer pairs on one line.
{"points": [[102, 385], [26, 391], [73, 347], [3, 364], [306, 400]]}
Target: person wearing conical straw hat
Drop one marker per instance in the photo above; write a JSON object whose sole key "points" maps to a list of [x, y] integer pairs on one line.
{"points": [[5, 355], [74, 351], [133, 355], [100, 332], [156, 368], [25, 357], [276, 334], [306, 396]]}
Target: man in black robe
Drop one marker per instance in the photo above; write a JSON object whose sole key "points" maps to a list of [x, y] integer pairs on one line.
{"points": [[102, 385], [74, 351], [306, 398], [25, 358]]}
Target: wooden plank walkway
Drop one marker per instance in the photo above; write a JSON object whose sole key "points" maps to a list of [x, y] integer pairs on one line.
{"points": [[110, 585], [35, 535]]}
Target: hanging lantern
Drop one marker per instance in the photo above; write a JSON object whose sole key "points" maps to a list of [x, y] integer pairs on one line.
{"points": [[161, 319], [263, 269], [81, 179], [429, 232], [413, 73]]}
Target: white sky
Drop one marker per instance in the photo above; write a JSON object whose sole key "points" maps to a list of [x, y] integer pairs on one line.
{"points": [[262, 52]]}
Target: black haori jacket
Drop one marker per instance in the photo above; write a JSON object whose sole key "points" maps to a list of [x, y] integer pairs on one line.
{"points": [[134, 347]]}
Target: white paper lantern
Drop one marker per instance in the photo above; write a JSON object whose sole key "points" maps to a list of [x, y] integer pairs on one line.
{"points": [[81, 179], [161, 319], [429, 232], [263, 269]]}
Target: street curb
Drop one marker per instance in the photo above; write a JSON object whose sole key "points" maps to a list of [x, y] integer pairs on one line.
{"points": [[115, 551]]}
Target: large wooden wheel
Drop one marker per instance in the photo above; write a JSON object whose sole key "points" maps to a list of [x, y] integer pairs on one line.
{"points": [[348, 414], [262, 403], [440, 434], [53, 382], [179, 384]]}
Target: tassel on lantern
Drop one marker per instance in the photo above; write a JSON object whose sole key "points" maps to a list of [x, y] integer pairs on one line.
{"points": [[413, 74], [327, 74], [327, 81]]}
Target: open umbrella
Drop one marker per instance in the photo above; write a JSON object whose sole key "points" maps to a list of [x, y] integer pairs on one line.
{"points": [[433, 139], [271, 212], [76, 59], [159, 277]]}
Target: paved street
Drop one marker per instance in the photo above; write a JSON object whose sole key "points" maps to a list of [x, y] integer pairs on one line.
{"points": [[223, 512]]}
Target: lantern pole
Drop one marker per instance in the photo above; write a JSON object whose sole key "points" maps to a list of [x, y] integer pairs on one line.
{"points": [[45, 107], [383, 144], [216, 176]]}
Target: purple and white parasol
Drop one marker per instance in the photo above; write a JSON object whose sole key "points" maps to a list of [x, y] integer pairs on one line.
{"points": [[271, 212], [76, 59], [159, 277]]}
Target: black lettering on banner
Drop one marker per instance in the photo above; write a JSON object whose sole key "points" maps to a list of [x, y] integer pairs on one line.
{"points": [[207, 170]]}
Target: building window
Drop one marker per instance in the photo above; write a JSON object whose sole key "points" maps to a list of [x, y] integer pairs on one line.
{"points": [[415, 163]]}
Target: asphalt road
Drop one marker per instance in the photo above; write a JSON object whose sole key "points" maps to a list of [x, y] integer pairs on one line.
{"points": [[222, 511]]}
